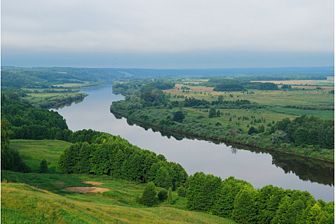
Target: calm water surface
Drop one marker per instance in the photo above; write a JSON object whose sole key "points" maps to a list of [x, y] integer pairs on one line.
{"points": [[197, 155]]}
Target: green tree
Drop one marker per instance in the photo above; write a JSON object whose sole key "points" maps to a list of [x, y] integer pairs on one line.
{"points": [[181, 191], [43, 166], [252, 130], [202, 191], [245, 206], [149, 196], [224, 203], [170, 199], [178, 116], [162, 195], [212, 113], [163, 178]]}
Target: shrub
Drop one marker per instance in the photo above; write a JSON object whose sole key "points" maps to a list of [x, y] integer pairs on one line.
{"points": [[149, 196], [43, 166], [162, 195], [181, 191]]}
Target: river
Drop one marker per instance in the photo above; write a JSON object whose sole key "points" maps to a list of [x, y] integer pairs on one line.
{"points": [[194, 155]]}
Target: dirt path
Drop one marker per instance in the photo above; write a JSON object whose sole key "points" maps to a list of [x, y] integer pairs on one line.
{"points": [[87, 189]]}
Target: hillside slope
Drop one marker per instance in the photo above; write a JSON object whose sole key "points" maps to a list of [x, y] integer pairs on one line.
{"points": [[22, 203]]}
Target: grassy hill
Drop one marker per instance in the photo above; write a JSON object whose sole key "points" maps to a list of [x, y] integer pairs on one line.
{"points": [[45, 198]]}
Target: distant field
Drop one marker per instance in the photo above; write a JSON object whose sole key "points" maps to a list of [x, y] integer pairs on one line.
{"points": [[308, 101], [328, 82]]}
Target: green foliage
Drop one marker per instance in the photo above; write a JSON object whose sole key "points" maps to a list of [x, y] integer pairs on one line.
{"points": [[178, 116], [43, 166], [202, 191], [27, 122], [102, 153], [149, 196], [212, 113], [10, 158], [245, 206], [152, 96], [170, 197], [224, 204], [306, 130], [162, 195], [181, 191], [252, 130]]}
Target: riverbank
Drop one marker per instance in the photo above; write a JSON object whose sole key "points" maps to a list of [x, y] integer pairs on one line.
{"points": [[179, 131]]}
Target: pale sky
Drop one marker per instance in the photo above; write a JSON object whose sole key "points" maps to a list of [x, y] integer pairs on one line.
{"points": [[157, 33]]}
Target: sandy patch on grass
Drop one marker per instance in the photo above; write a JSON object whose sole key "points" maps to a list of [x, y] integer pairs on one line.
{"points": [[87, 189], [94, 183]]}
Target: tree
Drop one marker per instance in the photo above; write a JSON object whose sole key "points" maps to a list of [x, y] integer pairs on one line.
{"points": [[178, 116], [43, 166], [212, 113], [163, 178], [181, 191], [149, 196], [252, 130], [245, 207], [162, 195], [224, 203], [202, 191], [170, 199]]}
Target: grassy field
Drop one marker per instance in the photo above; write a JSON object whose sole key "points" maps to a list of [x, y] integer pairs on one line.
{"points": [[53, 98], [33, 151], [317, 102], [44, 198]]}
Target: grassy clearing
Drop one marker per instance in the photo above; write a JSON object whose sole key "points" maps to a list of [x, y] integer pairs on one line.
{"points": [[33, 151]]}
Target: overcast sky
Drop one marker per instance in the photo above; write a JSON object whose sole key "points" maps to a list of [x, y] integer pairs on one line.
{"points": [[169, 33]]}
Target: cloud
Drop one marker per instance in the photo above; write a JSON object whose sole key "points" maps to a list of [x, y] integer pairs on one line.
{"points": [[161, 26]]}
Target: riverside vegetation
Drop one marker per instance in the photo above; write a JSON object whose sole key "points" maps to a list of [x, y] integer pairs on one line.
{"points": [[45, 175], [113, 160], [262, 115]]}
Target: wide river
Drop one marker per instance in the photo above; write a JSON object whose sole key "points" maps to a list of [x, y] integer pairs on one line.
{"points": [[258, 168]]}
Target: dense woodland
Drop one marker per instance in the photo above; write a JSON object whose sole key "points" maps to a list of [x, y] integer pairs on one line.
{"points": [[28, 122]]}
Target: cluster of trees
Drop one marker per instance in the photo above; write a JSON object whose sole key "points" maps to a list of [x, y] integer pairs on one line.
{"points": [[220, 102], [114, 156], [231, 85], [28, 122], [152, 96], [152, 197], [238, 200], [307, 130]]}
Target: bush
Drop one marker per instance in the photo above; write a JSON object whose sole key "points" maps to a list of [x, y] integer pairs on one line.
{"points": [[43, 166], [149, 196], [181, 191], [162, 195]]}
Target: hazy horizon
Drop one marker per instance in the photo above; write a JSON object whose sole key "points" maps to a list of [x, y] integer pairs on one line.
{"points": [[173, 34]]}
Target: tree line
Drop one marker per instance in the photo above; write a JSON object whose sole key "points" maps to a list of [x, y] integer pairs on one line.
{"points": [[100, 153], [238, 200], [307, 130]]}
